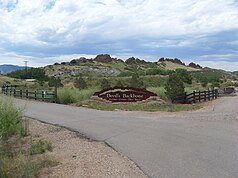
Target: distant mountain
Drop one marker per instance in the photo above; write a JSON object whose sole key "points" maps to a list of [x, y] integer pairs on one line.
{"points": [[7, 68]]}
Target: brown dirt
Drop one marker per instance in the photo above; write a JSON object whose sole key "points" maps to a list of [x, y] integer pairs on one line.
{"points": [[79, 157]]}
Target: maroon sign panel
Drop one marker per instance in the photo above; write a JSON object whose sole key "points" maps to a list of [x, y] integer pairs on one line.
{"points": [[124, 94]]}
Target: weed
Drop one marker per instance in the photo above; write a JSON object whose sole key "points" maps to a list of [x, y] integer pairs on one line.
{"points": [[151, 107], [40, 147], [69, 96], [10, 119]]}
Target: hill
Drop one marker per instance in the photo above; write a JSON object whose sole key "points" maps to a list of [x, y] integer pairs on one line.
{"points": [[6, 68], [4, 80], [105, 65]]}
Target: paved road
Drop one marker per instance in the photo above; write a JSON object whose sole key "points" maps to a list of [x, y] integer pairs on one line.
{"points": [[200, 144]]}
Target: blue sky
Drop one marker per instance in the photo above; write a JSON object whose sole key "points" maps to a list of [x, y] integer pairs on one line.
{"points": [[48, 31]]}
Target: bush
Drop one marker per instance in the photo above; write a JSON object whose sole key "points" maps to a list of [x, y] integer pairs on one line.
{"points": [[53, 81], [174, 86], [31, 73], [66, 96], [10, 119], [80, 83], [105, 84], [160, 91], [136, 82], [40, 147], [184, 75]]}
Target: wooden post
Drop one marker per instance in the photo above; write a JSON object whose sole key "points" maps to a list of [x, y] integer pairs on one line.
{"points": [[199, 96], [56, 91], [42, 95], [14, 92], [35, 96], [216, 93], [27, 94], [205, 95], [11, 92], [185, 98], [21, 93], [194, 97], [209, 93]]}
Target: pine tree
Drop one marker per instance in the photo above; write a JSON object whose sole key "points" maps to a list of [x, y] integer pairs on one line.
{"points": [[174, 86]]}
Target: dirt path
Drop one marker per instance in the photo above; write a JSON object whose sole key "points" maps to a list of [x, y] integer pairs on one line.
{"points": [[79, 157]]}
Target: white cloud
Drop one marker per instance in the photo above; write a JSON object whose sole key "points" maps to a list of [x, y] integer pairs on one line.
{"points": [[15, 59], [225, 65], [67, 24], [72, 21]]}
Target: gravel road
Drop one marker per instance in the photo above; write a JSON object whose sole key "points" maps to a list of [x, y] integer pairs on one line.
{"points": [[201, 144]]}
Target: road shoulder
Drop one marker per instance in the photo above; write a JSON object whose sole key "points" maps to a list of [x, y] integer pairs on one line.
{"points": [[80, 157]]}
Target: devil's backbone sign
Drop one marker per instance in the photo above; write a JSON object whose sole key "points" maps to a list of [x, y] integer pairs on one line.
{"points": [[124, 94]]}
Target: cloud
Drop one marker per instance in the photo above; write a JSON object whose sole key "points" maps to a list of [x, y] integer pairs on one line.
{"points": [[180, 28]]}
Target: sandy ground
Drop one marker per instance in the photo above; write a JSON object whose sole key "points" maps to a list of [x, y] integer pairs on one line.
{"points": [[79, 157]]}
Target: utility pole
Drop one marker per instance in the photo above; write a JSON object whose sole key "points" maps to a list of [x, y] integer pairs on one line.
{"points": [[26, 65]]}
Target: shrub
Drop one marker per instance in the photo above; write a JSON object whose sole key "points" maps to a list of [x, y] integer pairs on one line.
{"points": [[66, 96], [136, 82], [105, 84], [10, 119], [80, 83], [174, 86], [184, 75], [40, 147], [53, 81]]}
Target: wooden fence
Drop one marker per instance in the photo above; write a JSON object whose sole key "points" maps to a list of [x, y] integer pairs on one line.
{"points": [[195, 97], [48, 96]]}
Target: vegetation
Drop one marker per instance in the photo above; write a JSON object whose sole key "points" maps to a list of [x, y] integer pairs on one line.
{"points": [[80, 83], [168, 78], [184, 75], [105, 84], [10, 120], [32, 73], [15, 160], [150, 107], [69, 96], [40, 147], [174, 86], [54, 82], [136, 82]]}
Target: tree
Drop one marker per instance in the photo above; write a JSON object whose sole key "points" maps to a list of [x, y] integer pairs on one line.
{"points": [[184, 75], [174, 86], [105, 84], [204, 82], [136, 82], [53, 81], [31, 73], [80, 83]]}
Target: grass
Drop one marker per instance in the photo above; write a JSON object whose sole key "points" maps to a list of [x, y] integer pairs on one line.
{"points": [[150, 107], [160, 91], [69, 96], [83, 98], [10, 119], [40, 147], [15, 158]]}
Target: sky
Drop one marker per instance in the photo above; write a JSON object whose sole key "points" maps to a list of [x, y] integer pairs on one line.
{"points": [[47, 31]]}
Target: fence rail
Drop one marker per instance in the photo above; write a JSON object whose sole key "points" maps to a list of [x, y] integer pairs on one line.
{"points": [[48, 96], [195, 97]]}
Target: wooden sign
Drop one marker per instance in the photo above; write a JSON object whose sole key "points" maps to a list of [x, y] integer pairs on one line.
{"points": [[124, 94]]}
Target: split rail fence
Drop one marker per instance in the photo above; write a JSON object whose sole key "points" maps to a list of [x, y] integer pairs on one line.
{"points": [[194, 97], [48, 96]]}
